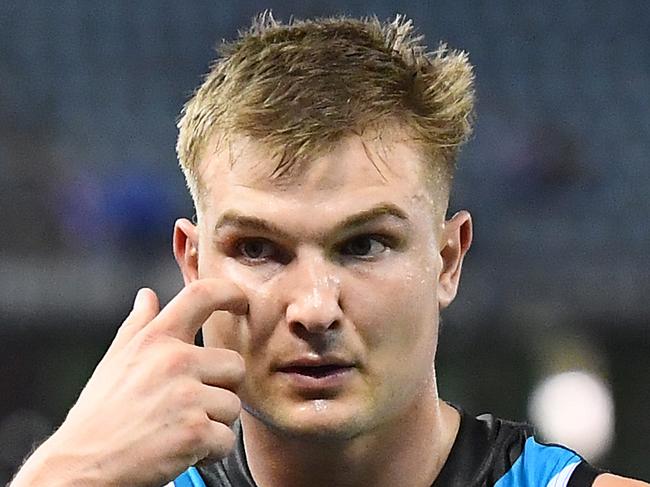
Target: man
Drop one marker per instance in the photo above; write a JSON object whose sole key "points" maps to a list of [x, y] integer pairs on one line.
{"points": [[320, 157]]}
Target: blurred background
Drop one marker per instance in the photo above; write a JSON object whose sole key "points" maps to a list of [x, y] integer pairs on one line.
{"points": [[551, 324]]}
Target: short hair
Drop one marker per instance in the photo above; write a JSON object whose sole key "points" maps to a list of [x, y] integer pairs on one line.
{"points": [[300, 88]]}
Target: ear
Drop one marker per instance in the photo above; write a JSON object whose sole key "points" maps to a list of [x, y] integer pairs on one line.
{"points": [[456, 239], [186, 249]]}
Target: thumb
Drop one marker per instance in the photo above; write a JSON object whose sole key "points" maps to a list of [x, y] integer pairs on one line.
{"points": [[145, 308]]}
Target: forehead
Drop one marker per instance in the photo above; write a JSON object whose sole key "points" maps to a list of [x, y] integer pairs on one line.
{"points": [[359, 172]]}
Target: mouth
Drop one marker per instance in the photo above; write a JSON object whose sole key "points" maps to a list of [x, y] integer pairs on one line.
{"points": [[316, 371], [317, 376]]}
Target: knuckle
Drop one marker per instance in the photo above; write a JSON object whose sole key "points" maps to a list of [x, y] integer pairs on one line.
{"points": [[175, 361], [195, 430], [213, 442], [198, 430], [231, 400], [224, 440], [187, 394], [231, 407], [232, 363], [145, 339], [225, 407], [235, 402]]}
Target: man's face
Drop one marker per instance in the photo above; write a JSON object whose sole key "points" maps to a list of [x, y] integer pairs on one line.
{"points": [[341, 266]]}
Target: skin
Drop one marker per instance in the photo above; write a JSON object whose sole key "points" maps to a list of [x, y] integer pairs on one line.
{"points": [[611, 480], [157, 404], [370, 292]]}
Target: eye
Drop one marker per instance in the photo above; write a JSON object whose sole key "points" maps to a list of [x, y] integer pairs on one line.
{"points": [[256, 249], [364, 246]]}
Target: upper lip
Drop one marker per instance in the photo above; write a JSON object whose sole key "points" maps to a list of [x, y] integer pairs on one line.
{"points": [[317, 361]]}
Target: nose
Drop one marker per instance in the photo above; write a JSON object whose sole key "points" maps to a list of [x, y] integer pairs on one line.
{"points": [[314, 304]]}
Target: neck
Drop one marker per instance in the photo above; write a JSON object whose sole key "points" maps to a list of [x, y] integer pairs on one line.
{"points": [[409, 450]]}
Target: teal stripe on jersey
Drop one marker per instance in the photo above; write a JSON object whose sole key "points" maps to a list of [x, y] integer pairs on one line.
{"points": [[190, 478], [537, 465]]}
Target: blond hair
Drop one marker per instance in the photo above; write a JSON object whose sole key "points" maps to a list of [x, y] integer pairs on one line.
{"points": [[300, 88]]}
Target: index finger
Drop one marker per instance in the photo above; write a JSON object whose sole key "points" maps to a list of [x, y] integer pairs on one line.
{"points": [[189, 309]]}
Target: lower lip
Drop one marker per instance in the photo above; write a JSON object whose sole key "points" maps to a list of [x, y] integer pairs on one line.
{"points": [[331, 380]]}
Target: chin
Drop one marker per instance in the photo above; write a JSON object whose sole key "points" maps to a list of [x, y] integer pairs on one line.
{"points": [[313, 419]]}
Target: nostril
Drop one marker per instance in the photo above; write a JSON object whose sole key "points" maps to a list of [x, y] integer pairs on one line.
{"points": [[320, 340], [312, 327], [315, 313]]}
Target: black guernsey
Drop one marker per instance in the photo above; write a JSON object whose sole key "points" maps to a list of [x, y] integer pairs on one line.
{"points": [[487, 452]]}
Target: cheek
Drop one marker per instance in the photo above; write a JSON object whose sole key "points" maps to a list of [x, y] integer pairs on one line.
{"points": [[395, 308]]}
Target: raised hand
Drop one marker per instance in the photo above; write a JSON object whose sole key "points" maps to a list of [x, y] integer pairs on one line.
{"points": [[155, 404]]}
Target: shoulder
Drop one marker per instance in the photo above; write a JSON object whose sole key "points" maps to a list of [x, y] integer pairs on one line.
{"points": [[548, 464], [506, 454], [540, 464]]}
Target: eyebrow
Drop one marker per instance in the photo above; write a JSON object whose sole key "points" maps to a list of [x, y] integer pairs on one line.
{"points": [[236, 219]]}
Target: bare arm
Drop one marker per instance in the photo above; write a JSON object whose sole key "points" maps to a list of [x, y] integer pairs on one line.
{"points": [[155, 404], [611, 480]]}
